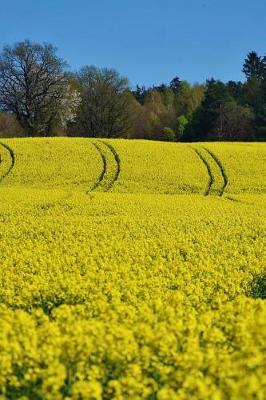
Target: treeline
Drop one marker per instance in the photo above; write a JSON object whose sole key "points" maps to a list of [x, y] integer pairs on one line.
{"points": [[39, 97]]}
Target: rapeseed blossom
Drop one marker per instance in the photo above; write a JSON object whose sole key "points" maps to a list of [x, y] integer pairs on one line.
{"points": [[130, 295]]}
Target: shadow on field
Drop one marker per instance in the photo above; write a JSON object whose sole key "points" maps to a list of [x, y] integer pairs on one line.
{"points": [[258, 287]]}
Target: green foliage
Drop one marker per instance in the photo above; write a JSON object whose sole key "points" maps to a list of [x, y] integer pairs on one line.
{"points": [[168, 135], [181, 126], [254, 67], [188, 99], [234, 122], [220, 117], [106, 108], [98, 102]]}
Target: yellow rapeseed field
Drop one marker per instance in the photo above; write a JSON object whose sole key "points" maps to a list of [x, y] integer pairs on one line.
{"points": [[132, 270]]}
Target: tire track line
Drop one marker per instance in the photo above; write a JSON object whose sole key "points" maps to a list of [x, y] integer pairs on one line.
{"points": [[118, 164], [104, 169], [13, 161], [222, 170], [100, 183], [211, 176]]}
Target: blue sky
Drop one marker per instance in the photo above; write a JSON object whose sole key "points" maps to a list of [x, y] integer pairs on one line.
{"points": [[148, 41]]}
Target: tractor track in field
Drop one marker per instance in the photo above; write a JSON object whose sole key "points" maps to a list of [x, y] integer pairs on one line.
{"points": [[117, 162], [212, 179], [221, 168], [211, 176], [103, 182], [13, 161], [104, 169]]}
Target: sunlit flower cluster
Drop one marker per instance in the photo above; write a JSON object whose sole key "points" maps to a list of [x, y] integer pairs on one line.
{"points": [[128, 295]]}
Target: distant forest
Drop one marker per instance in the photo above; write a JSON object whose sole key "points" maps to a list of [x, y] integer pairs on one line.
{"points": [[40, 97]]}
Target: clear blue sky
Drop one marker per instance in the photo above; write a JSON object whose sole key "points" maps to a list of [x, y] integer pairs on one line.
{"points": [[149, 41]]}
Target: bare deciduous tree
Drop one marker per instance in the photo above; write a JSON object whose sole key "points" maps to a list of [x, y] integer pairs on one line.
{"points": [[34, 87]]}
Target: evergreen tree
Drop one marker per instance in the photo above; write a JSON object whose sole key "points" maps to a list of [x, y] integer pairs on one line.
{"points": [[211, 110], [253, 66], [175, 84]]}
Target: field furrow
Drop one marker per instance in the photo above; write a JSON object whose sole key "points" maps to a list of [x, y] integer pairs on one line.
{"points": [[245, 164], [117, 161], [7, 161], [217, 176], [208, 168], [110, 166], [104, 168], [221, 169]]}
